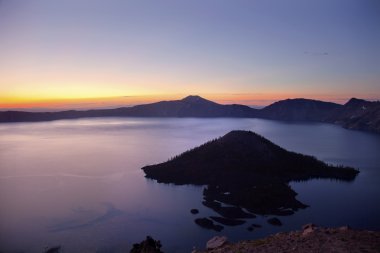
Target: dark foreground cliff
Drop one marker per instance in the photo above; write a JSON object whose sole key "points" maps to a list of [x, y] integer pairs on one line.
{"points": [[309, 239]]}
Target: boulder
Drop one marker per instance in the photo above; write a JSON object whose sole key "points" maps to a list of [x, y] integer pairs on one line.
{"points": [[308, 226], [216, 242], [344, 228], [308, 229]]}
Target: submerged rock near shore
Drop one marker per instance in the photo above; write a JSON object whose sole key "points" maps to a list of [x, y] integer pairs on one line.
{"points": [[245, 174]]}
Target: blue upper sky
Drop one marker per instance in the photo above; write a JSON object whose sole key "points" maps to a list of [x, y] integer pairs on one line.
{"points": [[84, 48]]}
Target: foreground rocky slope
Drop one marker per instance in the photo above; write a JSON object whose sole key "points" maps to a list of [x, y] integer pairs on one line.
{"points": [[309, 239]]}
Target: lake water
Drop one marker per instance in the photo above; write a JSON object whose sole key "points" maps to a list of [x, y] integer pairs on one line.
{"points": [[79, 183]]}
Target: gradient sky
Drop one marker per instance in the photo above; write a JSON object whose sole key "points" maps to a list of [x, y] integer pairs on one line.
{"points": [[248, 51]]}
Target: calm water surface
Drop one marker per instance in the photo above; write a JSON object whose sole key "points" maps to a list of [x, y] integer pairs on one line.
{"points": [[78, 183]]}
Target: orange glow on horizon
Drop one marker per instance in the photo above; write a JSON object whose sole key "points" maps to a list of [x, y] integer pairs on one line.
{"points": [[251, 99], [79, 103]]}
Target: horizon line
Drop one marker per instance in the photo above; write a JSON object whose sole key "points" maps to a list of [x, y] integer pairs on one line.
{"points": [[54, 105]]}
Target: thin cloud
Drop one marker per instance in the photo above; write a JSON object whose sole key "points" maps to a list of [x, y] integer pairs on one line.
{"points": [[316, 53]]}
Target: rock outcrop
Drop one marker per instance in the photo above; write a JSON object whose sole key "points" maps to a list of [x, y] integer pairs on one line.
{"points": [[309, 239], [216, 242]]}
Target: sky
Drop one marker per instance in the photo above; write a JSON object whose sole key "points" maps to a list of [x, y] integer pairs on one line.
{"points": [[91, 53]]}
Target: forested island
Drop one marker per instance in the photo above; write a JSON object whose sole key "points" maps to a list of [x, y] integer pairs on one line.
{"points": [[246, 172]]}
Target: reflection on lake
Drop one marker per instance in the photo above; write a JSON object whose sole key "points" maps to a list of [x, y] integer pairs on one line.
{"points": [[78, 183]]}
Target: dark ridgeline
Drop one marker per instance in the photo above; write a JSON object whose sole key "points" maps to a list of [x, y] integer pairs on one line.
{"points": [[191, 106], [356, 114], [246, 171], [299, 109]]}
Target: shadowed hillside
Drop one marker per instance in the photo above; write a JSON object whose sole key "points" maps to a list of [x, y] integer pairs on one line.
{"points": [[357, 114], [299, 109]]}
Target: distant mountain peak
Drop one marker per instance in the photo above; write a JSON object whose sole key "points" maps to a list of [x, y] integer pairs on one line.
{"points": [[194, 98], [198, 100], [355, 101]]}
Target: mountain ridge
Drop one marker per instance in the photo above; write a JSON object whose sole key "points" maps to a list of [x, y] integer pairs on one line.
{"points": [[299, 109], [356, 114]]}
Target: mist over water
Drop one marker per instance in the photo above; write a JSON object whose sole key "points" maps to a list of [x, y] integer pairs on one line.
{"points": [[79, 183]]}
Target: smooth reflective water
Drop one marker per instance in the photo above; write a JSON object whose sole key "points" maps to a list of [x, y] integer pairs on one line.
{"points": [[78, 183]]}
